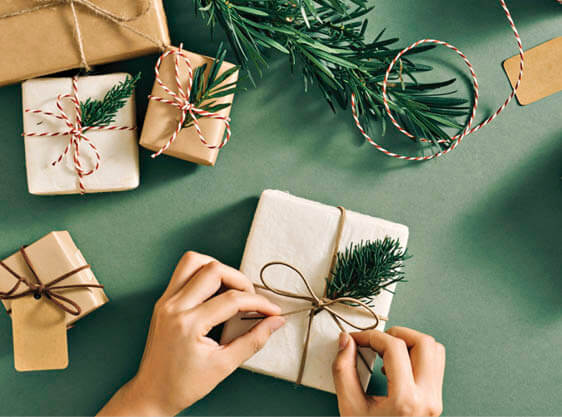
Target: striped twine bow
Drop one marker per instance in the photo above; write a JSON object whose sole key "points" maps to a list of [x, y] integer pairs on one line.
{"points": [[455, 140], [76, 133], [181, 100], [50, 290]]}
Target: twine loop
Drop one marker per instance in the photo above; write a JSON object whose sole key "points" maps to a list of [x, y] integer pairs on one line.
{"points": [[50, 290], [119, 20], [454, 141], [76, 132], [182, 100]]}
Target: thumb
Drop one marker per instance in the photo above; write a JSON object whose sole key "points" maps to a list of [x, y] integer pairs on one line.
{"points": [[351, 397], [244, 347]]}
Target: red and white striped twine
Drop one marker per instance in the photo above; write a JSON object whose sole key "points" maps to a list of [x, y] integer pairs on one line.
{"points": [[455, 140], [76, 132], [181, 101]]}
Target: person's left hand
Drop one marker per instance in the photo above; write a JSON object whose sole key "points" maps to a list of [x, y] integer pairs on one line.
{"points": [[181, 364]]}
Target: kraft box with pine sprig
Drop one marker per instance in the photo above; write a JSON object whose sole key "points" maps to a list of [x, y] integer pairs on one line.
{"points": [[80, 134], [207, 84], [327, 268]]}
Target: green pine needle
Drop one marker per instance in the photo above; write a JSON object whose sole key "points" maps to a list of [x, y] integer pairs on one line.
{"points": [[103, 112], [363, 270], [327, 38], [206, 90]]}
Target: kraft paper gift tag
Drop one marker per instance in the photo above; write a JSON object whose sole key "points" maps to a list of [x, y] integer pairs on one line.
{"points": [[542, 74], [162, 119], [39, 334], [303, 233]]}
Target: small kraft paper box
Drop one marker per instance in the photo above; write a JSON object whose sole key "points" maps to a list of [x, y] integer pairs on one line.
{"points": [[107, 157], [40, 37], [303, 234], [162, 119], [46, 287]]}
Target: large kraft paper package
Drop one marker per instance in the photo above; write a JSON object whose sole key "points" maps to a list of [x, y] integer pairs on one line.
{"points": [[303, 233], [38, 41]]}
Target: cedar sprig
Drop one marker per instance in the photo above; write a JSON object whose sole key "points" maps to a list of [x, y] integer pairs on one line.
{"points": [[205, 90], [364, 269], [102, 112], [327, 38]]}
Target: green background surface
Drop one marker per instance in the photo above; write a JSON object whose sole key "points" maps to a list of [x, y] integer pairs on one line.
{"points": [[485, 224]]}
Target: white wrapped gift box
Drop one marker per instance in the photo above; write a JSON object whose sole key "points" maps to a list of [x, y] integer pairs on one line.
{"points": [[118, 149], [303, 233]]}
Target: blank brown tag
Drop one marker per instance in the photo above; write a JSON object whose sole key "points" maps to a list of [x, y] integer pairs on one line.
{"points": [[39, 332], [542, 75]]}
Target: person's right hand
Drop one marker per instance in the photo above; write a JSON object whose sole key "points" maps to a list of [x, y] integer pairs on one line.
{"points": [[414, 364]]}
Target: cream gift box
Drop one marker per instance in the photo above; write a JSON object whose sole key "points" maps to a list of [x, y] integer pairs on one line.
{"points": [[118, 149], [303, 233]]}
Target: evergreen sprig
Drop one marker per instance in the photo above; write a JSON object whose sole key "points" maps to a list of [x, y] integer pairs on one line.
{"points": [[364, 269], [102, 112], [327, 38], [205, 90]]}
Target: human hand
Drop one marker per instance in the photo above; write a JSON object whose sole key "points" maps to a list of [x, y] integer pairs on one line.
{"points": [[414, 365], [181, 364]]}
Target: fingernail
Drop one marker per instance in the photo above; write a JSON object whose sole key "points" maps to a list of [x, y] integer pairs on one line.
{"points": [[276, 322], [344, 340]]}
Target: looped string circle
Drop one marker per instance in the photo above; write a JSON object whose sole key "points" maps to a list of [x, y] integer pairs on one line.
{"points": [[181, 100], [319, 304], [76, 132], [49, 290], [455, 140]]}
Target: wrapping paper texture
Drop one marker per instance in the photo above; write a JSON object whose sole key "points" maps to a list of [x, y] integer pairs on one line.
{"points": [[302, 233], [44, 41], [119, 166], [161, 119], [53, 255]]}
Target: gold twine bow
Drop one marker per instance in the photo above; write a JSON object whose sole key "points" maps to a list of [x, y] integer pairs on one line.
{"points": [[97, 10], [318, 304]]}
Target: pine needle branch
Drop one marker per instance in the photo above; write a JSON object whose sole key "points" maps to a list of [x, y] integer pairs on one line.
{"points": [[363, 270], [102, 112], [206, 90], [327, 38]]}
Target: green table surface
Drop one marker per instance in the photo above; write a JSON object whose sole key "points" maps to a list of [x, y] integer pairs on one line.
{"points": [[485, 224]]}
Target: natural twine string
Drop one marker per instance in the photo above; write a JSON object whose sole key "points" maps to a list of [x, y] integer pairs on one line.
{"points": [[98, 11], [49, 290], [318, 304]]}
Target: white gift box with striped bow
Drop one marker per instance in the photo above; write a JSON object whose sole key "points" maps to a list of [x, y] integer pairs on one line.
{"points": [[303, 233], [111, 153]]}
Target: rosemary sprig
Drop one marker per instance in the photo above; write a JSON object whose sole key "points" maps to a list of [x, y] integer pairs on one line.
{"points": [[102, 112], [206, 90], [327, 38], [364, 269]]}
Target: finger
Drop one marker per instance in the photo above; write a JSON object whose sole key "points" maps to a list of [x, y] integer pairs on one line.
{"points": [[424, 354], [207, 281], [226, 305], [244, 347], [189, 263], [348, 387], [395, 358]]}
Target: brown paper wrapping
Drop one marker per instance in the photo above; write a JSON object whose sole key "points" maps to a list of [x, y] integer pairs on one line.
{"points": [[162, 119], [44, 41], [52, 256]]}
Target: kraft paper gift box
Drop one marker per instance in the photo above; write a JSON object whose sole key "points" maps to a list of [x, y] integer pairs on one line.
{"points": [[118, 149], [162, 119], [39, 326], [41, 37], [303, 233]]}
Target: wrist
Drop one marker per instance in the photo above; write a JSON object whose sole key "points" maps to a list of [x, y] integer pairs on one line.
{"points": [[137, 399]]}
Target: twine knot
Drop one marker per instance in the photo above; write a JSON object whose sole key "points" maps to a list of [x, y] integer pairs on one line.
{"points": [[50, 290], [181, 100]]}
